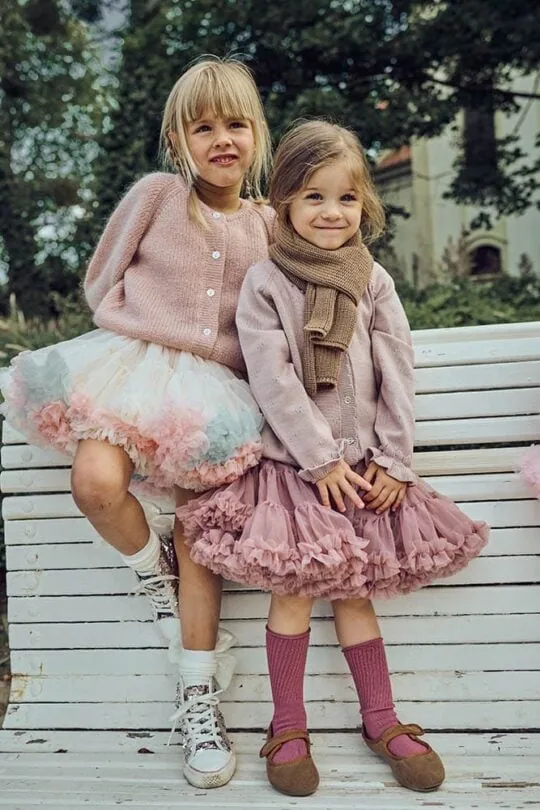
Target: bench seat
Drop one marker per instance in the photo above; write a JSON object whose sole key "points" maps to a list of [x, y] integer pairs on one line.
{"points": [[92, 680]]}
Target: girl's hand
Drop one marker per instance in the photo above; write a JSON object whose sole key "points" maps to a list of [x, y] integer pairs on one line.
{"points": [[338, 483], [386, 491]]}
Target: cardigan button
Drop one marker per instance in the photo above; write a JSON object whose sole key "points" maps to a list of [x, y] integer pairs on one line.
{"points": [[207, 331], [210, 293], [216, 214], [216, 254]]}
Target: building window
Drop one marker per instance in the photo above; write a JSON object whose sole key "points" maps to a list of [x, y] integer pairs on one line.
{"points": [[486, 261]]}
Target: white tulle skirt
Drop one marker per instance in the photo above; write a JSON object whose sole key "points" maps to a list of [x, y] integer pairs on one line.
{"points": [[182, 420]]}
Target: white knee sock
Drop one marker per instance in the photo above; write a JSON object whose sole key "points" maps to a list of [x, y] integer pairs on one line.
{"points": [[146, 560], [197, 666]]}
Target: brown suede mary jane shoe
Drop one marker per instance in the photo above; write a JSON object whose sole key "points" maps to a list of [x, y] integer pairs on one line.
{"points": [[421, 772], [299, 777]]}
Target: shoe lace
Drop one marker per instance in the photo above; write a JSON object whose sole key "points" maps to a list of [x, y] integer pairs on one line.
{"points": [[158, 589], [197, 717]]}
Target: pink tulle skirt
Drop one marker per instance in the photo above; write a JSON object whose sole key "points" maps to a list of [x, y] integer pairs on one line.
{"points": [[269, 529], [182, 420]]}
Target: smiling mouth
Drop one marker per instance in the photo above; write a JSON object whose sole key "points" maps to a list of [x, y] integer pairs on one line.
{"points": [[223, 160]]}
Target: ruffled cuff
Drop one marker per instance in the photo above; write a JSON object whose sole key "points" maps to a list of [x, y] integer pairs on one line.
{"points": [[393, 466], [315, 474]]}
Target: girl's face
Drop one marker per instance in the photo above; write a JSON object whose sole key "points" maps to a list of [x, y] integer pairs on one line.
{"points": [[222, 149], [327, 212]]}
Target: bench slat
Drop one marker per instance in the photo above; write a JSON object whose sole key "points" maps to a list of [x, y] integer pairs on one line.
{"points": [[497, 514], [55, 554], [416, 629], [454, 601], [478, 431], [465, 353], [471, 405], [477, 377], [482, 430], [481, 571], [490, 486], [436, 686], [324, 714], [434, 462], [120, 743], [402, 657]]}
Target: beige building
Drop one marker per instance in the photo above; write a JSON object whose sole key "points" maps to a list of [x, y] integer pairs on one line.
{"points": [[436, 236]]}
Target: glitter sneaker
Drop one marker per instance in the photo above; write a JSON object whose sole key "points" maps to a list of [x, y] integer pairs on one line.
{"points": [[160, 587], [209, 758]]}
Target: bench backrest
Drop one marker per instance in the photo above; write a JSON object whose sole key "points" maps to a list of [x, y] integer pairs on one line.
{"points": [[465, 653]]}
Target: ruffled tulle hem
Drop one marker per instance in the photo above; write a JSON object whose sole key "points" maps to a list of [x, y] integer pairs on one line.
{"points": [[269, 530], [182, 420]]}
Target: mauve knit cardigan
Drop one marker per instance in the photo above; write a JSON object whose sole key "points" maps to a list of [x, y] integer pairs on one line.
{"points": [[368, 416], [158, 276]]}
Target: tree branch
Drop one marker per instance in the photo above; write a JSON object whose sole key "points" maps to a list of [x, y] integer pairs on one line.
{"points": [[482, 88]]}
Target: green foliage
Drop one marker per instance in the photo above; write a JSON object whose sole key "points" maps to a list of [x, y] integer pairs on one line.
{"points": [[18, 333], [69, 148], [52, 101], [471, 302]]}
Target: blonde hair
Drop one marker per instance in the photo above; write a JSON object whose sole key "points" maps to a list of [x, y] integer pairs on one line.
{"points": [[222, 88], [308, 147]]}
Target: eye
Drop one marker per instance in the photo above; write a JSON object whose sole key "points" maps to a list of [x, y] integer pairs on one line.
{"points": [[239, 124], [349, 197], [201, 128], [313, 195]]}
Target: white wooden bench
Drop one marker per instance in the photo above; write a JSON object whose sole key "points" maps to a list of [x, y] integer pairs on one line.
{"points": [[93, 689]]}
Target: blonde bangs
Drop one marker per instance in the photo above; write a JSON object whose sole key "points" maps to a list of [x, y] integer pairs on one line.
{"points": [[219, 94]]}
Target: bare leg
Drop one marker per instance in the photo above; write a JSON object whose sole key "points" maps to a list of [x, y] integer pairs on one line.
{"points": [[355, 621], [99, 481], [199, 593], [289, 615]]}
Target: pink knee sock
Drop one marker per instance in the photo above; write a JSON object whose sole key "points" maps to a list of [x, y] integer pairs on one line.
{"points": [[367, 662], [287, 664]]}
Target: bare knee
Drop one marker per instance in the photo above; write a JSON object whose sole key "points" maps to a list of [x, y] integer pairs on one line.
{"points": [[289, 615], [99, 482], [360, 606]]}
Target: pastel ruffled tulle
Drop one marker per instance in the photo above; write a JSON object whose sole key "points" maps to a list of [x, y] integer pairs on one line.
{"points": [[530, 468], [182, 420], [269, 529]]}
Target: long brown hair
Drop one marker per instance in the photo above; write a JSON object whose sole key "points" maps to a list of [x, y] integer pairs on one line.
{"points": [[308, 147]]}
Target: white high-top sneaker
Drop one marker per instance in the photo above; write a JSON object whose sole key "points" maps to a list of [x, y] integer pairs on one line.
{"points": [[160, 587], [209, 758]]}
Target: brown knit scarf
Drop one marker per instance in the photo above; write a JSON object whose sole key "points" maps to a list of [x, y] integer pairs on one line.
{"points": [[333, 282]]}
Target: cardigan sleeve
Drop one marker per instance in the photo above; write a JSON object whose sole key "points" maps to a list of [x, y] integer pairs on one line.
{"points": [[121, 237], [393, 362], [293, 416]]}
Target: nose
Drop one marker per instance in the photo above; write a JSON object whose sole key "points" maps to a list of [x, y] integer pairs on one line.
{"points": [[222, 136], [331, 212]]}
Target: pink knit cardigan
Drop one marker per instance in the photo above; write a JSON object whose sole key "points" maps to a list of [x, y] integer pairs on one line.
{"points": [[369, 416], [158, 276]]}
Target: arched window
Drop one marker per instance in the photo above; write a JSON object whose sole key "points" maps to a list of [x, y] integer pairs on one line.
{"points": [[485, 261]]}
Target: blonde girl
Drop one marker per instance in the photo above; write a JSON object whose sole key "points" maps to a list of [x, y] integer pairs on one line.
{"points": [[155, 396]]}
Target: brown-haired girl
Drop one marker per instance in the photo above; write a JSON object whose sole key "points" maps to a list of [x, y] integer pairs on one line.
{"points": [[155, 394], [330, 362]]}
